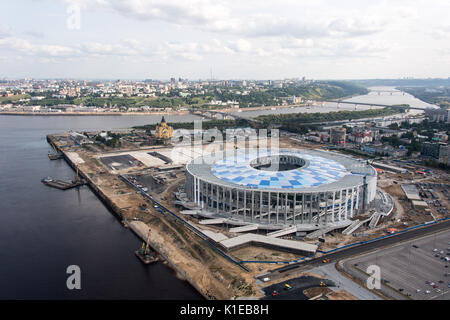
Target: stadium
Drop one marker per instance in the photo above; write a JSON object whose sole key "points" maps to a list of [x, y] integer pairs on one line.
{"points": [[282, 188]]}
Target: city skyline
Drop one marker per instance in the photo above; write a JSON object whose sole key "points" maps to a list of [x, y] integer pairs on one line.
{"points": [[239, 40]]}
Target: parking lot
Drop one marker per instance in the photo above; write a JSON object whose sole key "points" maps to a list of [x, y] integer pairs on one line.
{"points": [[416, 268], [120, 162]]}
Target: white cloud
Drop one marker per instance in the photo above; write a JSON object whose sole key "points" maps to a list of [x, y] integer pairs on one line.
{"points": [[218, 17], [377, 36], [31, 48], [97, 48], [240, 45], [440, 32], [5, 31]]}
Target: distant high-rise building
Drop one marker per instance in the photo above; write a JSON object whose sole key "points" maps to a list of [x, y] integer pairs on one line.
{"points": [[438, 114], [439, 151]]}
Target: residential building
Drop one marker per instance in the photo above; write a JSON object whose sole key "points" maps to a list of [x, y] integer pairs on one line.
{"points": [[338, 135]]}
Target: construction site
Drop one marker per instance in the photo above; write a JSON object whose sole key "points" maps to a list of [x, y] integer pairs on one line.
{"points": [[194, 225]]}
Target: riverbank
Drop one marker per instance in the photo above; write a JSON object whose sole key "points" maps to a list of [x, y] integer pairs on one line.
{"points": [[226, 110], [14, 113]]}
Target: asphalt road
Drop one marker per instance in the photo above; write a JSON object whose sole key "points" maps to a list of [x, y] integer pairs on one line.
{"points": [[298, 286], [363, 248], [329, 271]]}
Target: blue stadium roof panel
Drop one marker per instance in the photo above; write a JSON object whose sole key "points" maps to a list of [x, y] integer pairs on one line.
{"points": [[318, 171]]}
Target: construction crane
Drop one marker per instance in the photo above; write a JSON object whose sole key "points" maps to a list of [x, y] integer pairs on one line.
{"points": [[147, 242], [144, 253], [54, 156]]}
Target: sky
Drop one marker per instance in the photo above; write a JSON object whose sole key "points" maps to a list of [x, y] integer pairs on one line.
{"points": [[234, 39]]}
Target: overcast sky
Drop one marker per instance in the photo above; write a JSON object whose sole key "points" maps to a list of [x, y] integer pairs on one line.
{"points": [[237, 39]]}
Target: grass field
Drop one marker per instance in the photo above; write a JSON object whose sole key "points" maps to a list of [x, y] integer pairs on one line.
{"points": [[14, 98]]}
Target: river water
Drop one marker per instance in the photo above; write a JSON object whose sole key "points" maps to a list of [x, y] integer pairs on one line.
{"points": [[377, 95], [44, 230]]}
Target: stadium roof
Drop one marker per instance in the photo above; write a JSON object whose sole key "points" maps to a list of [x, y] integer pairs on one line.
{"points": [[323, 171]]}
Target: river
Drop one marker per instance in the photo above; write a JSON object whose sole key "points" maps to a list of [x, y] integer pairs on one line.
{"points": [[377, 95], [44, 230]]}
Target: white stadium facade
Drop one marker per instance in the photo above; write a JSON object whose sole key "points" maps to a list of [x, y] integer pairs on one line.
{"points": [[276, 189]]}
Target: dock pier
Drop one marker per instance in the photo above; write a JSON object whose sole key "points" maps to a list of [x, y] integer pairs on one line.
{"points": [[61, 184], [55, 156]]}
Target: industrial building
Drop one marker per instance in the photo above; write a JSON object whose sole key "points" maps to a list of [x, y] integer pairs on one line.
{"points": [[281, 188]]}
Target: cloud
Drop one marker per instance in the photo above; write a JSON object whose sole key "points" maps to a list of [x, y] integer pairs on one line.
{"points": [[218, 17], [31, 48], [105, 49], [133, 50], [440, 32], [240, 45], [174, 11], [126, 48], [35, 34], [354, 27], [5, 31]]}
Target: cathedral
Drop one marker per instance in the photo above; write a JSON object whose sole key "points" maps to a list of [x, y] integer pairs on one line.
{"points": [[163, 130]]}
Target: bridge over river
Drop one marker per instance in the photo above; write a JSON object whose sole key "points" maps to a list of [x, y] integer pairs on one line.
{"points": [[219, 115], [355, 103]]}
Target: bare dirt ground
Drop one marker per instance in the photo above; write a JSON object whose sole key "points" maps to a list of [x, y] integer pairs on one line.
{"points": [[341, 295], [314, 292]]}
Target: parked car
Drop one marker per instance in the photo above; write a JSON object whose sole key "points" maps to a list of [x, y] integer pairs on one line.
{"points": [[287, 286]]}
